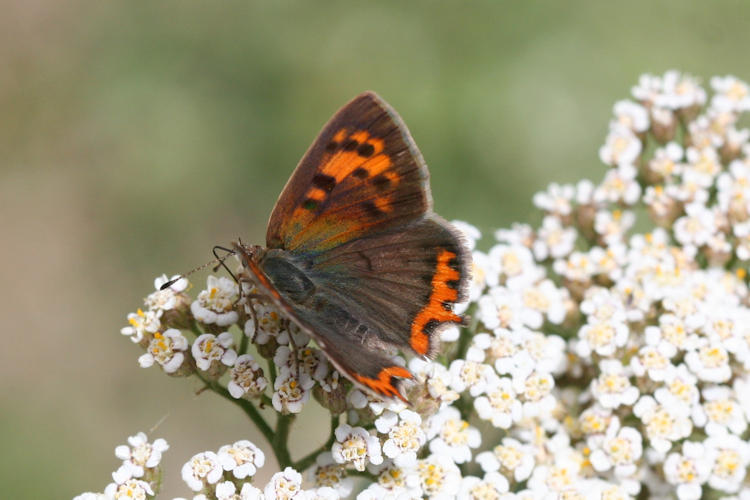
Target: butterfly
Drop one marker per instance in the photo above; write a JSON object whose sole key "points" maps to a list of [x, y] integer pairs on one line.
{"points": [[354, 254]]}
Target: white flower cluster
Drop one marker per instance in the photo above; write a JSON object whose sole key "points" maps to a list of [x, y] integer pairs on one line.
{"points": [[608, 352], [139, 474], [226, 474]]}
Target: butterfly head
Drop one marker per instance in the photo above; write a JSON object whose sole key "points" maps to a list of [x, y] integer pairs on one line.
{"points": [[247, 253]]}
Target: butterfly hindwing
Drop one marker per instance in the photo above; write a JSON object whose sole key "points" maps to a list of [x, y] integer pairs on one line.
{"points": [[362, 174], [344, 337], [405, 281]]}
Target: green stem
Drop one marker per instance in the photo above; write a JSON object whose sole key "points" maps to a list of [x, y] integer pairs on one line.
{"points": [[358, 473], [464, 406], [246, 406], [244, 343], [195, 328], [272, 372], [306, 461], [280, 438], [466, 334], [266, 400], [158, 480], [463, 344]]}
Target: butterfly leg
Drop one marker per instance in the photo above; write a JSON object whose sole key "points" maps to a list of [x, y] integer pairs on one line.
{"points": [[254, 315], [248, 295], [293, 348]]}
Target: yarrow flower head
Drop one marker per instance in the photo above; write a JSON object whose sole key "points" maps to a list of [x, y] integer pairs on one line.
{"points": [[405, 436], [247, 378], [142, 325], [284, 485], [215, 305], [357, 446], [688, 470], [439, 477], [130, 489], [168, 350], [168, 298], [242, 458], [609, 342], [214, 353], [327, 473], [291, 393], [203, 470], [500, 404], [513, 458], [139, 476], [139, 457]]}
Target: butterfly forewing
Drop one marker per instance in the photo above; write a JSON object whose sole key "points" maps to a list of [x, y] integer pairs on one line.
{"points": [[362, 174]]}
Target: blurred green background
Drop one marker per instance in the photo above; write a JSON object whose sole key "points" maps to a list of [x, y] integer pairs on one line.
{"points": [[136, 135]]}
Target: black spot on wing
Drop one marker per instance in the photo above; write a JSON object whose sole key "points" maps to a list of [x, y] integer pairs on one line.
{"points": [[360, 173], [351, 145], [394, 381], [371, 210], [454, 264], [365, 150], [429, 327], [381, 182], [324, 182], [309, 204]]}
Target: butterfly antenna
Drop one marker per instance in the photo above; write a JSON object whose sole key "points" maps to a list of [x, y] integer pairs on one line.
{"points": [[221, 260], [217, 262]]}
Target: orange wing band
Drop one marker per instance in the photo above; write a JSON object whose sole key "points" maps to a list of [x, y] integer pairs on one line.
{"points": [[383, 384], [445, 285], [356, 154]]}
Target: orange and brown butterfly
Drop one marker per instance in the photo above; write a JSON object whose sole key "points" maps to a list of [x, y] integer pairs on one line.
{"points": [[354, 254]]}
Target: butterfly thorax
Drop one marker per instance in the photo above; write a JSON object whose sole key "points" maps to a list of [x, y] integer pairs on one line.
{"points": [[276, 273]]}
